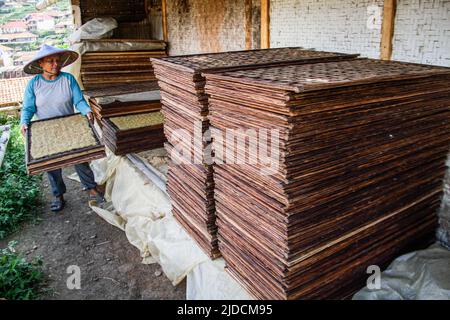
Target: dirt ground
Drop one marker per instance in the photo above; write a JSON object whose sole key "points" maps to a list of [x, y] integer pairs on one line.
{"points": [[110, 266]]}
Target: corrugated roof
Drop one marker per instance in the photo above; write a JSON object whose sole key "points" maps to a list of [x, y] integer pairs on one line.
{"points": [[11, 90]]}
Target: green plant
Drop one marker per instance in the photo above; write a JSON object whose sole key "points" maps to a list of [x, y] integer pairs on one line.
{"points": [[18, 13], [19, 193], [19, 279]]}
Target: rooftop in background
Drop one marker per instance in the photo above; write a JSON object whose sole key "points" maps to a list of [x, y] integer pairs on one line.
{"points": [[11, 91], [14, 24], [38, 16]]}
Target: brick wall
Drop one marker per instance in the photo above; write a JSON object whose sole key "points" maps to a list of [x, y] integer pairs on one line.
{"points": [[422, 32]]}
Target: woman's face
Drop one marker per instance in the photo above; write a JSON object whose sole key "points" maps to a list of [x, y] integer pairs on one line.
{"points": [[51, 64]]}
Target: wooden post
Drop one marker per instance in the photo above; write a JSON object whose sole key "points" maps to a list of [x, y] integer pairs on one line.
{"points": [[265, 24], [76, 12], [387, 29], [248, 24], [164, 20]]}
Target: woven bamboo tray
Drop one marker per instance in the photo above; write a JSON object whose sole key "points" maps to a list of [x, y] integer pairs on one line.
{"points": [[114, 68], [61, 159], [362, 144], [115, 109], [122, 11], [134, 139], [185, 104]]}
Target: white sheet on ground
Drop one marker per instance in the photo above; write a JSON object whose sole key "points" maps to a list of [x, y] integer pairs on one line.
{"points": [[419, 275], [143, 211], [209, 281]]}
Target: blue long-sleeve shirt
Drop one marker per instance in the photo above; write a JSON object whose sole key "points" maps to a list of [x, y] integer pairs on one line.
{"points": [[52, 98]]}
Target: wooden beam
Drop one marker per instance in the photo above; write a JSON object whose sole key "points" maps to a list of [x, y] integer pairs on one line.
{"points": [[248, 24], [265, 24], [164, 20], [387, 29]]}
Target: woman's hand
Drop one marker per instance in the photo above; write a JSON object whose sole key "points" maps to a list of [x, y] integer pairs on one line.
{"points": [[23, 129]]}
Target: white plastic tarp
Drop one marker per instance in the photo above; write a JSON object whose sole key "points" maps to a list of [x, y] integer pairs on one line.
{"points": [[443, 232], [210, 281], [419, 275], [97, 28], [143, 211]]}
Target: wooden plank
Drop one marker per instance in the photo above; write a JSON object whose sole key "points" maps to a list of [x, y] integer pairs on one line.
{"points": [[76, 13], [265, 24], [387, 29], [248, 24], [164, 20]]}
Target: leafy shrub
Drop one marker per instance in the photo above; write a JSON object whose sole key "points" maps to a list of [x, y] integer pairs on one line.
{"points": [[19, 279], [19, 193]]}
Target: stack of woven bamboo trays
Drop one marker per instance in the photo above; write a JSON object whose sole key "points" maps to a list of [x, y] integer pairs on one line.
{"points": [[101, 69], [356, 182], [122, 11], [133, 133], [185, 107], [106, 102], [61, 142]]}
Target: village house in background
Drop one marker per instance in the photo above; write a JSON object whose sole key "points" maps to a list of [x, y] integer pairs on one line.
{"points": [[23, 29], [39, 22]]}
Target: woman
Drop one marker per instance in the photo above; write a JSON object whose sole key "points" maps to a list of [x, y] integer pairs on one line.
{"points": [[52, 93]]}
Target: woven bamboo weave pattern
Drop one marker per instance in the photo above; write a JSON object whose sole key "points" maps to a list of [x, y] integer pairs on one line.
{"points": [[310, 76], [241, 58], [60, 135], [138, 120]]}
